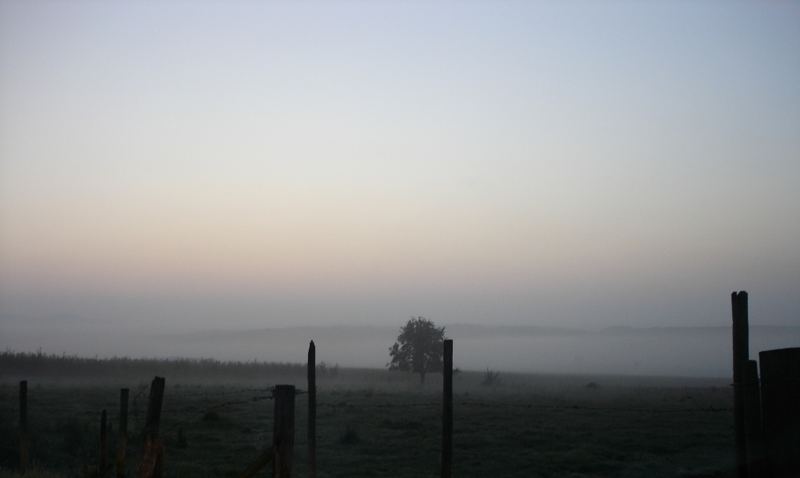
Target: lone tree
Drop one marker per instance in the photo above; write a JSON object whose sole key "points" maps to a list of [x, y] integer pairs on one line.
{"points": [[418, 348]]}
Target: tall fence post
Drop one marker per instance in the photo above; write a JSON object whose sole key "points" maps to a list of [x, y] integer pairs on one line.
{"points": [[102, 461], [283, 431], [754, 436], [24, 437], [122, 439], [740, 356], [447, 410], [152, 461], [780, 395], [312, 410]]}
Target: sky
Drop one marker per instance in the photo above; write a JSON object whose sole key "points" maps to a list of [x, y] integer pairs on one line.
{"points": [[209, 165]]}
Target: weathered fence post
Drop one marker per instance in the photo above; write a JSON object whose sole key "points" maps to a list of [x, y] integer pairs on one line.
{"points": [[312, 410], [122, 439], [102, 462], [152, 461], [24, 438], [780, 395], [740, 356], [754, 436], [154, 404], [447, 410], [283, 431]]}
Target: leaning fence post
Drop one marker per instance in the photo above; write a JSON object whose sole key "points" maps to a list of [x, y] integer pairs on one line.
{"points": [[102, 459], [740, 356], [122, 439], [447, 410], [24, 438], [780, 395], [283, 431], [312, 410], [152, 461]]}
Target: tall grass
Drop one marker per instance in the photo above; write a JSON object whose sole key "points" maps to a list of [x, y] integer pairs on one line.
{"points": [[39, 364]]}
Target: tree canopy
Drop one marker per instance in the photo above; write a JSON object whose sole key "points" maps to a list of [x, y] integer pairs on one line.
{"points": [[418, 348]]}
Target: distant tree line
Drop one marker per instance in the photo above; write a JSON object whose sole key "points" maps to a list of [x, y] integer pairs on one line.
{"points": [[38, 364]]}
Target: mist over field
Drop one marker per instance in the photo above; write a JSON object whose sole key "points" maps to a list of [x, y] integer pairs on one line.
{"points": [[207, 179], [667, 351], [572, 189]]}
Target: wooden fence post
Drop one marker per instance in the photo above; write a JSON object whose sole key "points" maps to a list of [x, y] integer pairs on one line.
{"points": [[122, 439], [312, 410], [102, 462], [754, 435], [447, 410], [152, 462], [283, 431], [780, 395], [740, 356], [153, 418], [24, 437]]}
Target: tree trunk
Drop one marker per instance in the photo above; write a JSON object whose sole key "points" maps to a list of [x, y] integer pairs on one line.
{"points": [[422, 378]]}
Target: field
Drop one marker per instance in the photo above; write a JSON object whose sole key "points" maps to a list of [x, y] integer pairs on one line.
{"points": [[379, 423]]}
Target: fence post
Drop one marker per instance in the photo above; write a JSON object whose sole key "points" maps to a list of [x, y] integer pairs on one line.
{"points": [[152, 461], [283, 431], [780, 394], [122, 439], [312, 410], [740, 356], [102, 464], [24, 438], [754, 435], [447, 410], [153, 418]]}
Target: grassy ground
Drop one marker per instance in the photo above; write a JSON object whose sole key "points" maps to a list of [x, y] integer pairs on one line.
{"points": [[385, 424]]}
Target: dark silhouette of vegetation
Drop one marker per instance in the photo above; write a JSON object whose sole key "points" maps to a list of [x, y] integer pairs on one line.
{"points": [[39, 364], [418, 348], [490, 378]]}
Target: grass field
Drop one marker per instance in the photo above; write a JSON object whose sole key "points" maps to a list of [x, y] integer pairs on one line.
{"points": [[379, 423]]}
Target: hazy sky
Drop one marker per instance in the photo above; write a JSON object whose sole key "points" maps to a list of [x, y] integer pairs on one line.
{"points": [[213, 164]]}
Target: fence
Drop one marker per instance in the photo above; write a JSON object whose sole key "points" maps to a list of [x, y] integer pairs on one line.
{"points": [[279, 453], [766, 416], [766, 411]]}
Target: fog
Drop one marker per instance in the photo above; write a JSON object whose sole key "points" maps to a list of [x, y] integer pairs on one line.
{"points": [[205, 179], [671, 351]]}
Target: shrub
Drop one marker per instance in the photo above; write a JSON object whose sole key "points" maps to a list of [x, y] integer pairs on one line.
{"points": [[490, 378]]}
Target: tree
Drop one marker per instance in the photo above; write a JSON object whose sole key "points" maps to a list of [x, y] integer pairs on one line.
{"points": [[418, 348]]}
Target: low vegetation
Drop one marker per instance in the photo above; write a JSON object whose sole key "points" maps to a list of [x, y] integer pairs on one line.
{"points": [[30, 365], [375, 423]]}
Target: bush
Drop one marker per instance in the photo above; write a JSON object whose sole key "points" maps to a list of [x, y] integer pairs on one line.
{"points": [[490, 378]]}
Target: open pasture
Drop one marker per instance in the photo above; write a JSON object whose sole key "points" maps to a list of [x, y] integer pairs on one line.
{"points": [[379, 423]]}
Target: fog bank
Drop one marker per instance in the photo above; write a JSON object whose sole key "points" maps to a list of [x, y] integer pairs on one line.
{"points": [[668, 351]]}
